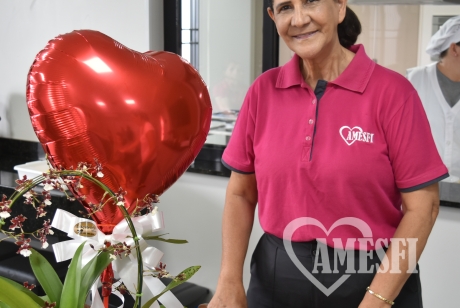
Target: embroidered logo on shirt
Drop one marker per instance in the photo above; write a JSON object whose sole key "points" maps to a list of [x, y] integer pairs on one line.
{"points": [[350, 135]]}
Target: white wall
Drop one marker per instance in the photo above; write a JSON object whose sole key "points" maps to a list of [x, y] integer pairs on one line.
{"points": [[27, 25], [193, 209]]}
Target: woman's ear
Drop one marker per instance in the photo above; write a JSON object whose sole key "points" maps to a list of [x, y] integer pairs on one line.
{"points": [[342, 9], [270, 13], [454, 48]]}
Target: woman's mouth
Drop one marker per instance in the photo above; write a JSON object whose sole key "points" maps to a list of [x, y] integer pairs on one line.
{"points": [[304, 36]]}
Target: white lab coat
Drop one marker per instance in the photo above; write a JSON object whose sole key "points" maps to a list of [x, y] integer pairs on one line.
{"points": [[444, 120]]}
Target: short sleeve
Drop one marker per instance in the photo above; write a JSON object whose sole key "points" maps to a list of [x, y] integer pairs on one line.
{"points": [[239, 154], [413, 155]]}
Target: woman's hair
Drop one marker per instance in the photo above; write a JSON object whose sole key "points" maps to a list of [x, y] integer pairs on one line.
{"points": [[444, 53], [348, 30]]}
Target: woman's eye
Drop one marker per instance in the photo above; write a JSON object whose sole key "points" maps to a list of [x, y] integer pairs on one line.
{"points": [[284, 8]]}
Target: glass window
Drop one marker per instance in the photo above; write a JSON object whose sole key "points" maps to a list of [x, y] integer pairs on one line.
{"points": [[223, 40], [190, 15]]}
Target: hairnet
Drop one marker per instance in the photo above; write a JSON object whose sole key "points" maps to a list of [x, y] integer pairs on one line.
{"points": [[448, 33]]}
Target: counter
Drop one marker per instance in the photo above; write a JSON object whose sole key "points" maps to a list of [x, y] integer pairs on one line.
{"points": [[16, 152]]}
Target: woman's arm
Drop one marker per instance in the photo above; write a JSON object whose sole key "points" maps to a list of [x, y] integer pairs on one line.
{"points": [[420, 210], [238, 218]]}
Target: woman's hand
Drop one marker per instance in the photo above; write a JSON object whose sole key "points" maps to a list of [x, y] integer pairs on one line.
{"points": [[420, 210], [238, 218], [229, 294]]}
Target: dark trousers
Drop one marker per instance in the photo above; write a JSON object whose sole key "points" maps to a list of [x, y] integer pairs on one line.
{"points": [[276, 282]]}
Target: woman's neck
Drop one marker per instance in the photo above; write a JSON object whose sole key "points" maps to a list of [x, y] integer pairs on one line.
{"points": [[327, 66], [449, 67]]}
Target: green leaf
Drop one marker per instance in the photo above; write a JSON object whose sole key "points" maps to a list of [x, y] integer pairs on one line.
{"points": [[72, 283], [14, 298], [45, 298], [159, 238], [91, 272], [46, 276], [86, 272], [3, 305], [26, 291], [187, 274]]}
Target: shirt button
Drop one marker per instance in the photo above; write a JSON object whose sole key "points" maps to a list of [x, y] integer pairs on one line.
{"points": [[308, 138], [310, 121], [313, 101]]}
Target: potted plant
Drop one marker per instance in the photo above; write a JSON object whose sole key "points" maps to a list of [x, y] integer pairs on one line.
{"points": [[81, 276]]}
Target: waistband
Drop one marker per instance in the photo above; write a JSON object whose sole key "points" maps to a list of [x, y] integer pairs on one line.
{"points": [[309, 249]]}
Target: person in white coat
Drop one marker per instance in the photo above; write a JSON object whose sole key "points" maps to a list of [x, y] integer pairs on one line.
{"points": [[438, 85]]}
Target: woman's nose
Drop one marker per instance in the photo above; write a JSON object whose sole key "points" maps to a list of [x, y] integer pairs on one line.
{"points": [[300, 17]]}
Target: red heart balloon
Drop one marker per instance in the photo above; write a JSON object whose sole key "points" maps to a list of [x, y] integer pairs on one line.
{"points": [[143, 116]]}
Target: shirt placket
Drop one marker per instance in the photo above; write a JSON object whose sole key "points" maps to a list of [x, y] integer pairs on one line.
{"points": [[310, 128], [312, 120]]}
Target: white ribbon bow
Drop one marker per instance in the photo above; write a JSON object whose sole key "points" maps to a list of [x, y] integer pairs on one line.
{"points": [[126, 267]]}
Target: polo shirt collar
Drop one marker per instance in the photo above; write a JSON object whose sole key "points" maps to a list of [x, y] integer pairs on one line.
{"points": [[355, 77]]}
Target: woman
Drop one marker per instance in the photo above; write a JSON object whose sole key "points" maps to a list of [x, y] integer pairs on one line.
{"points": [[438, 85], [344, 143]]}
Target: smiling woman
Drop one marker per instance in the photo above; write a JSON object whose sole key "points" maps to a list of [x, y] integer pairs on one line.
{"points": [[311, 28], [348, 30], [337, 144]]}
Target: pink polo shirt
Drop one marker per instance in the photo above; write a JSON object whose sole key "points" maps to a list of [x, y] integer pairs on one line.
{"points": [[346, 152]]}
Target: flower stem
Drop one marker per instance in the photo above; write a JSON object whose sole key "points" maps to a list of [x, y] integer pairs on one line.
{"points": [[18, 194], [140, 268], [39, 179]]}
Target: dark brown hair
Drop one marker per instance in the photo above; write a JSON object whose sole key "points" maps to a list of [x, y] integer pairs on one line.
{"points": [[444, 53], [348, 30]]}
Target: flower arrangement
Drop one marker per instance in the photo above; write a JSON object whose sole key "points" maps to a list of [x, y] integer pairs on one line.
{"points": [[82, 276]]}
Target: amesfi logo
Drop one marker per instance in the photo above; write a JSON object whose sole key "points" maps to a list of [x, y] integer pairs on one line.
{"points": [[343, 256], [352, 134]]}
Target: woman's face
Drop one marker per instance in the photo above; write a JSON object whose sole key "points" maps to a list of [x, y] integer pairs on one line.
{"points": [[308, 27]]}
